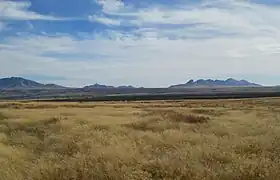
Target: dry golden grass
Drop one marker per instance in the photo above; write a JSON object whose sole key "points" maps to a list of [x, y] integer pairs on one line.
{"points": [[190, 140]]}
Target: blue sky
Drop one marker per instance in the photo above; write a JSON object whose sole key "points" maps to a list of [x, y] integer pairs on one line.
{"points": [[142, 43]]}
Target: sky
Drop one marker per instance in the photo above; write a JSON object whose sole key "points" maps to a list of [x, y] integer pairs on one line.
{"points": [[150, 43]]}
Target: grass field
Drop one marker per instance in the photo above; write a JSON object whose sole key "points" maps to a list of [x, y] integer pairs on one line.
{"points": [[191, 140]]}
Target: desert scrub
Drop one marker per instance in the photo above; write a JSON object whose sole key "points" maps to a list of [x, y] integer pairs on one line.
{"points": [[147, 140], [180, 117]]}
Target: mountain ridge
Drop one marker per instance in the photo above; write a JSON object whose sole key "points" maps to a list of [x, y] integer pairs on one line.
{"points": [[22, 83], [230, 82], [102, 86]]}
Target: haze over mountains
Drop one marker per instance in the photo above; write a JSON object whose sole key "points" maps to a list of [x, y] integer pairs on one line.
{"points": [[21, 83]]}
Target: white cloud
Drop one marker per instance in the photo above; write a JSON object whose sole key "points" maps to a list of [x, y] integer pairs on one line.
{"points": [[151, 63], [12, 10], [231, 16], [146, 56], [111, 6], [104, 20]]}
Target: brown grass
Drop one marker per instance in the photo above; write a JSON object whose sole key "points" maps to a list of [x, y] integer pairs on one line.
{"points": [[2, 116], [192, 140]]}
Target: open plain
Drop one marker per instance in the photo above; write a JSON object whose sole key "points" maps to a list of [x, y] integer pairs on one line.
{"points": [[191, 140]]}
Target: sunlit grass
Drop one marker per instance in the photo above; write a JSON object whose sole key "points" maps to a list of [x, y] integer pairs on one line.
{"points": [[192, 140]]}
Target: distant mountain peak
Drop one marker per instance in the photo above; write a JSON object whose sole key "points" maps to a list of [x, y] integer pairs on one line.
{"points": [[126, 87], [97, 86], [101, 86], [230, 82], [190, 81], [21, 83], [230, 79]]}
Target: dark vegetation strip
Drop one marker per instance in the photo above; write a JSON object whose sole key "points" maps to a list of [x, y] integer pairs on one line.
{"points": [[166, 97], [19, 94]]}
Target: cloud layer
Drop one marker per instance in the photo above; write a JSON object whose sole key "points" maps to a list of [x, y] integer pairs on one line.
{"points": [[147, 45]]}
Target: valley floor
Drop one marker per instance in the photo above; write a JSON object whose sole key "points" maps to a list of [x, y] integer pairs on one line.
{"points": [[191, 140]]}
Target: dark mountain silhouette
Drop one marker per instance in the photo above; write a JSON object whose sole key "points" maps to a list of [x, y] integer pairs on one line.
{"points": [[97, 86], [21, 83], [216, 83], [100, 86], [126, 87]]}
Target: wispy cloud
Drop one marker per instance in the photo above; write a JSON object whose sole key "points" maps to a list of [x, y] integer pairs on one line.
{"points": [[13, 10], [157, 45], [228, 16], [111, 6], [127, 61], [104, 20]]}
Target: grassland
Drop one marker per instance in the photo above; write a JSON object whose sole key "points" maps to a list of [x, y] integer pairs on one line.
{"points": [[191, 140]]}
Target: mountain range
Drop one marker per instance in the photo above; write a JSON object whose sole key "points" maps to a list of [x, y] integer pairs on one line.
{"points": [[21, 83], [216, 83]]}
